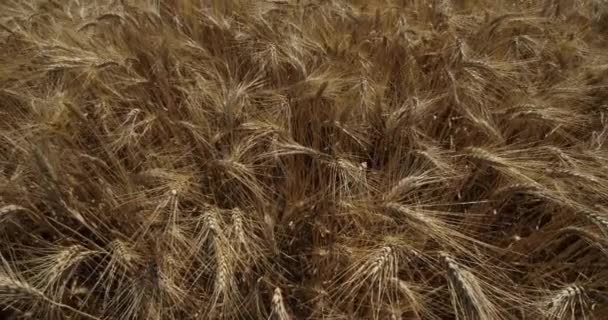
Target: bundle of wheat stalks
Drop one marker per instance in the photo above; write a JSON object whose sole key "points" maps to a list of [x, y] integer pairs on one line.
{"points": [[299, 159]]}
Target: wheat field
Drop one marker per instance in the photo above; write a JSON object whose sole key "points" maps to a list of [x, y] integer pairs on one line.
{"points": [[300, 159]]}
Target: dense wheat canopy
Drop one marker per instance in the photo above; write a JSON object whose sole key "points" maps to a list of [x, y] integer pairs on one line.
{"points": [[300, 159]]}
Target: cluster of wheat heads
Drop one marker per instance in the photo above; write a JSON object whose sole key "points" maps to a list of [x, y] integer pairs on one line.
{"points": [[292, 159]]}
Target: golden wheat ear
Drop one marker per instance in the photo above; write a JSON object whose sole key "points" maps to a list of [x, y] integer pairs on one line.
{"points": [[56, 265], [279, 309], [22, 296], [471, 298], [569, 302], [219, 257], [368, 279]]}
